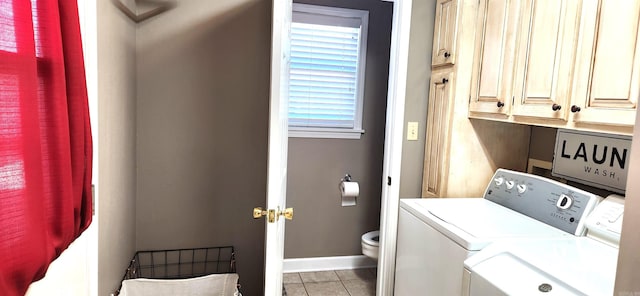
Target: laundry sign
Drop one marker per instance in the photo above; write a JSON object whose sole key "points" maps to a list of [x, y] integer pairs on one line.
{"points": [[599, 160]]}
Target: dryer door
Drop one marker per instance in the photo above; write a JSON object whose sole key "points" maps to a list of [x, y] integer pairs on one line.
{"points": [[505, 274]]}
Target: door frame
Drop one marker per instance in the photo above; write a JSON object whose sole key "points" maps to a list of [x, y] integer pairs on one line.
{"points": [[390, 195], [397, 88]]}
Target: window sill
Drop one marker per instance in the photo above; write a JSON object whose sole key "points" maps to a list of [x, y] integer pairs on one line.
{"points": [[325, 133]]}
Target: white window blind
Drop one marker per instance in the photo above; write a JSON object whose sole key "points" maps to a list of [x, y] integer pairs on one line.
{"points": [[327, 63]]}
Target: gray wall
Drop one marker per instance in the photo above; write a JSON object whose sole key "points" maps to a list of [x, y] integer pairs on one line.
{"points": [[117, 138], [202, 120], [542, 144], [322, 227], [416, 101]]}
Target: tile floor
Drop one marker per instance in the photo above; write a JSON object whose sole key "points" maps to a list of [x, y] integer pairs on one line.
{"points": [[352, 282]]}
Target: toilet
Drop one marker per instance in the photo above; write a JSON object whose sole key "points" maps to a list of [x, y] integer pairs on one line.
{"points": [[370, 244]]}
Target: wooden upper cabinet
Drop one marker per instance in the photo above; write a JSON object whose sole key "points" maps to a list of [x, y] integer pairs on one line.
{"points": [[444, 33], [439, 117], [607, 80], [492, 73], [545, 59]]}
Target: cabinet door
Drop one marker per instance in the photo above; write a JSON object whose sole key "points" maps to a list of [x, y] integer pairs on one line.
{"points": [[607, 79], [439, 114], [494, 51], [545, 58], [444, 33]]}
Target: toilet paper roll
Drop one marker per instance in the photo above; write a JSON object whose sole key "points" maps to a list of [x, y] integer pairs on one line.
{"points": [[349, 191]]}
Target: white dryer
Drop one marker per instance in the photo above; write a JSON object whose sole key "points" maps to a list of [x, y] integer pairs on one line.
{"points": [[573, 266], [436, 235]]}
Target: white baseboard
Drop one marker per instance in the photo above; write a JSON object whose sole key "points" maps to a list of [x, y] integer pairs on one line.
{"points": [[327, 263]]}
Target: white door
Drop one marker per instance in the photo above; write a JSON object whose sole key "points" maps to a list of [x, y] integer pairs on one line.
{"points": [[278, 137]]}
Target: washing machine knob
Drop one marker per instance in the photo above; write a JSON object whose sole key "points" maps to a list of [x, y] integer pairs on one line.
{"points": [[509, 184], [498, 181], [564, 201], [521, 188]]}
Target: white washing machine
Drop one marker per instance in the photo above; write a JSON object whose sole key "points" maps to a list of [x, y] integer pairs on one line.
{"points": [[436, 235], [573, 266]]}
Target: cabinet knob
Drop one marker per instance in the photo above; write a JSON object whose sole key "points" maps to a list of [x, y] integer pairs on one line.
{"points": [[500, 104], [446, 54], [575, 109], [556, 107], [445, 80]]}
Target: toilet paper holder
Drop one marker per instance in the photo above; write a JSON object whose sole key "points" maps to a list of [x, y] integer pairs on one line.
{"points": [[346, 178]]}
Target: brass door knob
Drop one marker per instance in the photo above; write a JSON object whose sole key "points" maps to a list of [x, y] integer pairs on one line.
{"points": [[258, 213], [287, 213]]}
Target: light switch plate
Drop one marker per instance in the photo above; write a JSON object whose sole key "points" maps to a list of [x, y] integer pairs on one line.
{"points": [[412, 131]]}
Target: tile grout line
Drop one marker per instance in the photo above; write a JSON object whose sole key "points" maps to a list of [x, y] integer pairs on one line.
{"points": [[345, 287], [339, 280]]}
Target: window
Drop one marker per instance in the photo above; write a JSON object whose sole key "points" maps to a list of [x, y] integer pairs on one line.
{"points": [[326, 75]]}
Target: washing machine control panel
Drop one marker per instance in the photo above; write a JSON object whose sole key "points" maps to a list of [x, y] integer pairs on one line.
{"points": [[557, 204]]}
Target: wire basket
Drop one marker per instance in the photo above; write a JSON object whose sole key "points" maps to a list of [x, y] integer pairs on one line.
{"points": [[181, 263]]}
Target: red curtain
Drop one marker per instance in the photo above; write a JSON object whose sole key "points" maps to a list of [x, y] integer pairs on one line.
{"points": [[45, 138]]}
